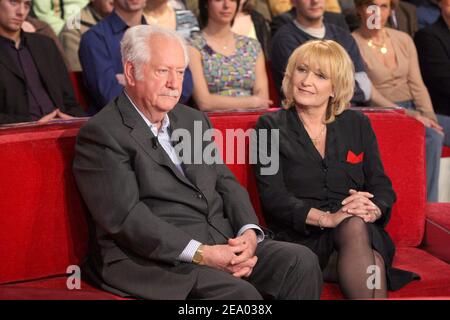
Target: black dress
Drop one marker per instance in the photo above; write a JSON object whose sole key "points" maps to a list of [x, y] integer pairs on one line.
{"points": [[305, 180]]}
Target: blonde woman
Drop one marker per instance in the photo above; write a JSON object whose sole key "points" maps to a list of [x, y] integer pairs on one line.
{"points": [[330, 192]]}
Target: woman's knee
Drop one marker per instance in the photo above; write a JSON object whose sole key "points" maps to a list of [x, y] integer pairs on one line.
{"points": [[379, 261], [352, 230]]}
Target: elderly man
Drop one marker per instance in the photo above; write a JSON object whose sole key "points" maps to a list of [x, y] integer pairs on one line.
{"points": [[165, 229]]}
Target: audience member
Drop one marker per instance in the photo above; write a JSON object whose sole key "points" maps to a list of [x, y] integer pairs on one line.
{"points": [[34, 83], [433, 47], [252, 24], [70, 35], [392, 64], [57, 12], [228, 69], [328, 17]]}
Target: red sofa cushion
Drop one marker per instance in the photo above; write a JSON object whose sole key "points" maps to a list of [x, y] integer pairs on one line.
{"points": [[43, 223], [437, 230]]}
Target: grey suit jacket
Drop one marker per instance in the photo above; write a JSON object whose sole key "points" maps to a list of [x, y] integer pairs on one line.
{"points": [[143, 210]]}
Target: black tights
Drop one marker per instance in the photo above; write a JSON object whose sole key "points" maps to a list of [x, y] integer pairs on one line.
{"points": [[350, 265]]}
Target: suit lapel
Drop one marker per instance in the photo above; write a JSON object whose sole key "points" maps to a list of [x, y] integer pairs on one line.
{"points": [[191, 170], [9, 63], [142, 134]]}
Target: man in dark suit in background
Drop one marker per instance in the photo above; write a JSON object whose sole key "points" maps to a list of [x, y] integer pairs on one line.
{"points": [[34, 83], [166, 229], [433, 49]]}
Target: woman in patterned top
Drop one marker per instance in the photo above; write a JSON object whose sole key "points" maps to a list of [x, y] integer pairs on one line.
{"points": [[228, 69]]}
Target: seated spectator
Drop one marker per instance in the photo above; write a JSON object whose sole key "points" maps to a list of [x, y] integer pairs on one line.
{"points": [[57, 12], [228, 69], [100, 55], [392, 64], [402, 17], [278, 7], [252, 24], [328, 17], [161, 13], [433, 47], [35, 25], [70, 35], [34, 83], [261, 6], [308, 25], [427, 12], [330, 192]]}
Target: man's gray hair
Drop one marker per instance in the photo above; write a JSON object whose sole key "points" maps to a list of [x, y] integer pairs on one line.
{"points": [[135, 48]]}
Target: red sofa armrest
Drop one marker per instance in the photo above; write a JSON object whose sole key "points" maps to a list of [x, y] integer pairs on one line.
{"points": [[437, 230]]}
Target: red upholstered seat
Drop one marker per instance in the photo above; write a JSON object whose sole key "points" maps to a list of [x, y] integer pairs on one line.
{"points": [[437, 230], [43, 216], [445, 152], [52, 289], [81, 93]]}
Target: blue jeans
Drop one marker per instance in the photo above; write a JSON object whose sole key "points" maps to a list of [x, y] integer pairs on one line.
{"points": [[433, 150]]}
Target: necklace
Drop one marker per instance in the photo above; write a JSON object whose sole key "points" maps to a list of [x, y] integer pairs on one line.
{"points": [[228, 44], [317, 139], [380, 47]]}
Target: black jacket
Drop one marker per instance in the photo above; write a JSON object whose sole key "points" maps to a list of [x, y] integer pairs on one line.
{"points": [[53, 72], [305, 180], [433, 48]]}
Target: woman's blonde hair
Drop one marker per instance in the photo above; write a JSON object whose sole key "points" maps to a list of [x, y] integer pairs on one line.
{"points": [[334, 62]]}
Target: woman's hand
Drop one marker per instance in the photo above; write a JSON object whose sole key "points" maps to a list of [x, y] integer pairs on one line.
{"points": [[359, 204], [333, 220], [429, 123]]}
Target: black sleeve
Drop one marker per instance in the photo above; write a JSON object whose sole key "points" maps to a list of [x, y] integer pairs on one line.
{"points": [[279, 205]]}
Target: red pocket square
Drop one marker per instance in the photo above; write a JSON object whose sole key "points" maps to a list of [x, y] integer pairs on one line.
{"points": [[353, 158]]}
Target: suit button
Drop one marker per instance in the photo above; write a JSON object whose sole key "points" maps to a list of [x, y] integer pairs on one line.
{"points": [[199, 195], [208, 219]]}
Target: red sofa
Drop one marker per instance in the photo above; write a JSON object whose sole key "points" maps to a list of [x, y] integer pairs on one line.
{"points": [[44, 224]]}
